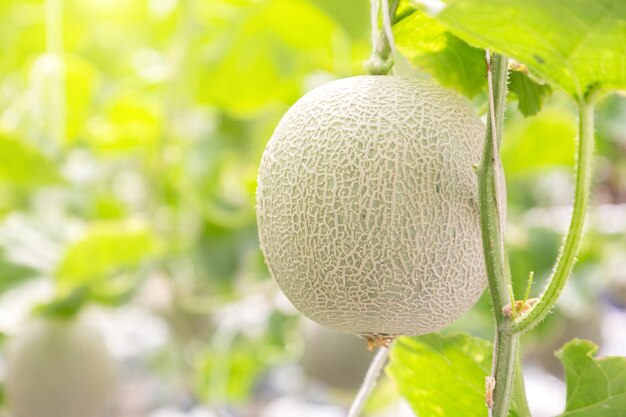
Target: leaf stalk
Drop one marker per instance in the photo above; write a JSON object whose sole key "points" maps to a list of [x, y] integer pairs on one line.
{"points": [[571, 244], [380, 61], [492, 214]]}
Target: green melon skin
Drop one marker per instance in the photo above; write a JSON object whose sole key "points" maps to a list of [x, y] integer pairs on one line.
{"points": [[367, 206], [58, 368]]}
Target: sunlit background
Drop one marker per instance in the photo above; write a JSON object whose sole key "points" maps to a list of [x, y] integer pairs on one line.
{"points": [[130, 136]]}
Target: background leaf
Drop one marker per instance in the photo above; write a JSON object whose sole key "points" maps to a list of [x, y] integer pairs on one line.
{"points": [[595, 387], [24, 166], [13, 274], [352, 16], [267, 39], [576, 44], [128, 123], [105, 249]]}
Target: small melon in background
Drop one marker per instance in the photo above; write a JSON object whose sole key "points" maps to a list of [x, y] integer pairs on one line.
{"points": [[335, 359], [367, 206], [58, 368]]}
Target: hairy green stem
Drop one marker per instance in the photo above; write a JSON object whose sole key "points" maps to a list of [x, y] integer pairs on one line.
{"points": [[492, 215], [571, 244], [490, 186], [503, 371], [372, 375], [519, 390], [381, 59]]}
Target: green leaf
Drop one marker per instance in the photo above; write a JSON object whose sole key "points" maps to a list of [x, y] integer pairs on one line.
{"points": [[353, 16], [129, 122], [13, 274], [432, 48], [263, 54], [442, 376], [576, 44], [113, 291], [595, 387], [530, 94], [64, 306], [24, 166], [104, 250]]}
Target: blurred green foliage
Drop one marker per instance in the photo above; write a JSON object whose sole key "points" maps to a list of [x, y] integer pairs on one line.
{"points": [[13, 273]]}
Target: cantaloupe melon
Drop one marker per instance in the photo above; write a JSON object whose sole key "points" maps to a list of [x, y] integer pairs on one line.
{"points": [[367, 206], [58, 368]]}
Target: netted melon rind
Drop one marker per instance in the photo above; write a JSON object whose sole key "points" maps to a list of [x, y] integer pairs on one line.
{"points": [[367, 206]]}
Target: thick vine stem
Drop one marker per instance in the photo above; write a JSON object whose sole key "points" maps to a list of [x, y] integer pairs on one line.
{"points": [[519, 389], [503, 371], [369, 382], [491, 194], [571, 244], [380, 61]]}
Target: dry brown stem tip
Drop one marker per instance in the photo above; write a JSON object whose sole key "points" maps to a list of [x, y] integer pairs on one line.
{"points": [[375, 341]]}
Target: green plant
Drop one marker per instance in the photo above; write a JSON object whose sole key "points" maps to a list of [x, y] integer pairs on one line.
{"points": [[574, 46], [130, 137]]}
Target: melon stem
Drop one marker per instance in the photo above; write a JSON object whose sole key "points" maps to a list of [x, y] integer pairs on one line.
{"points": [[492, 219], [373, 372], [381, 59], [506, 369], [571, 244]]}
